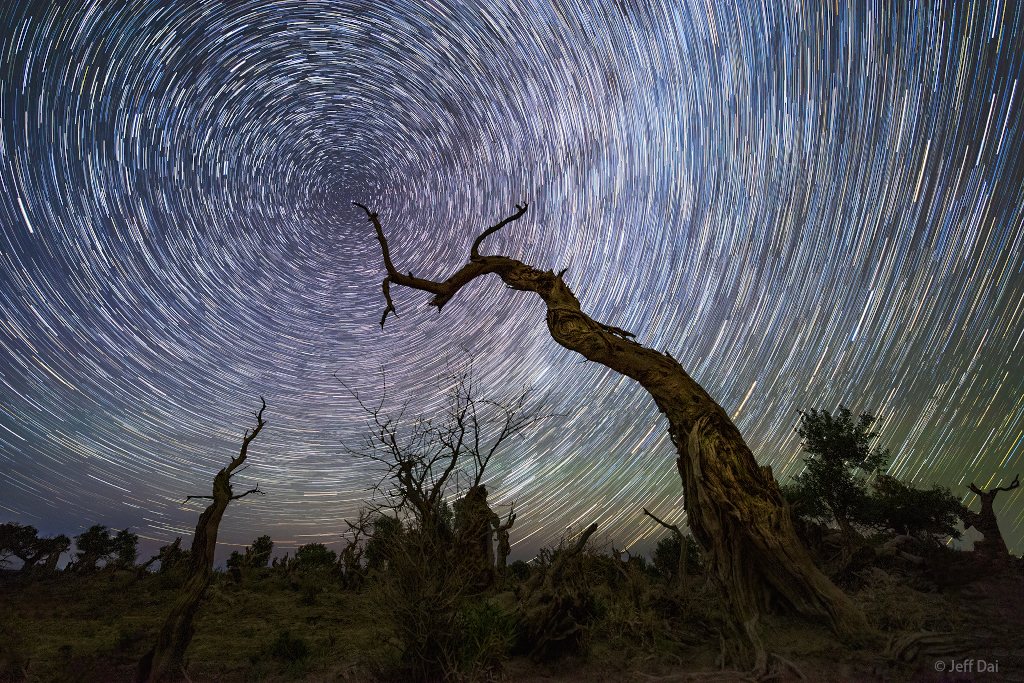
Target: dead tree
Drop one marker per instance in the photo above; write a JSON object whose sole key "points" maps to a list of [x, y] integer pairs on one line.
{"points": [[683, 554], [475, 536], [165, 660], [547, 609], [504, 547], [735, 508], [992, 552], [421, 459], [350, 560]]}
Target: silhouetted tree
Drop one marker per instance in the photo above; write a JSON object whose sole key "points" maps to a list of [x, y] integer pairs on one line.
{"points": [[164, 661], [839, 448], [315, 556], [125, 549], [735, 508], [915, 512], [24, 543], [992, 552], [255, 556], [93, 545]]}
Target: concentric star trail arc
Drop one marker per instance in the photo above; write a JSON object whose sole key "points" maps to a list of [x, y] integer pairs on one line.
{"points": [[806, 204]]}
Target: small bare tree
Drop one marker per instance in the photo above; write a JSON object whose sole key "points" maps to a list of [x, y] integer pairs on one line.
{"points": [[424, 569], [423, 459], [683, 564], [165, 660]]}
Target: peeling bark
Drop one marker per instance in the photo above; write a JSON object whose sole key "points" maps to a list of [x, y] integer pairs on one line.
{"points": [[735, 509]]}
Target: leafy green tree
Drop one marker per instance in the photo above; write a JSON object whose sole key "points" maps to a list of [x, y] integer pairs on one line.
{"points": [[256, 556], [916, 512], [124, 548], [93, 545], [830, 487], [315, 556], [24, 543]]}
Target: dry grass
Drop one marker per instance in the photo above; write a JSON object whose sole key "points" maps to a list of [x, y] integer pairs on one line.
{"points": [[95, 628]]}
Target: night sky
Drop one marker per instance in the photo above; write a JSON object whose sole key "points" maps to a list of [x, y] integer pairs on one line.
{"points": [[807, 206]]}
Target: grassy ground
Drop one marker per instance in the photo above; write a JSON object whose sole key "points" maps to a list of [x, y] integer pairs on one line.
{"points": [[72, 628]]}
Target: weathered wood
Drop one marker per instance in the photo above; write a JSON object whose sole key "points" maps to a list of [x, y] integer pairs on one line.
{"points": [[991, 553], [165, 660], [735, 509]]}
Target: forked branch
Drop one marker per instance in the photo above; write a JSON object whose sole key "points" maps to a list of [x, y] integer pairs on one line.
{"points": [[442, 291], [1014, 484], [226, 473], [671, 527]]}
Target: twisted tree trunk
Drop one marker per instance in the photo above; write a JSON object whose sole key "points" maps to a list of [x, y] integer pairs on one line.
{"points": [[735, 508], [165, 660], [991, 553]]}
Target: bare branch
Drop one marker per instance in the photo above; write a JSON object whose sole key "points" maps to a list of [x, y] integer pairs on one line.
{"points": [[474, 253], [510, 520], [671, 527], [1012, 486], [442, 291], [188, 498], [243, 495], [240, 458]]}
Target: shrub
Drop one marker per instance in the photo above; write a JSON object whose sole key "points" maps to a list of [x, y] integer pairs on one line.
{"points": [[421, 591], [486, 635], [13, 660], [312, 584], [314, 556], [519, 571], [288, 647]]}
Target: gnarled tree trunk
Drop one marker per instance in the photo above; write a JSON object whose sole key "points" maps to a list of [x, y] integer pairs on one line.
{"points": [[991, 552], [165, 660], [735, 508]]}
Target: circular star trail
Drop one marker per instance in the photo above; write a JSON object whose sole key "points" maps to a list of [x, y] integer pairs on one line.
{"points": [[808, 205]]}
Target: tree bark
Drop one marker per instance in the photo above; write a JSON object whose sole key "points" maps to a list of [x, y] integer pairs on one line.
{"points": [[735, 509], [166, 659], [991, 552]]}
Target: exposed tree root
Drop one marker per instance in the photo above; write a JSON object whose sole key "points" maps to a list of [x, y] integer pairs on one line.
{"points": [[926, 643]]}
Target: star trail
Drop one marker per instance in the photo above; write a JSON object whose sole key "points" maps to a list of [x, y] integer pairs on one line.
{"points": [[807, 205]]}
